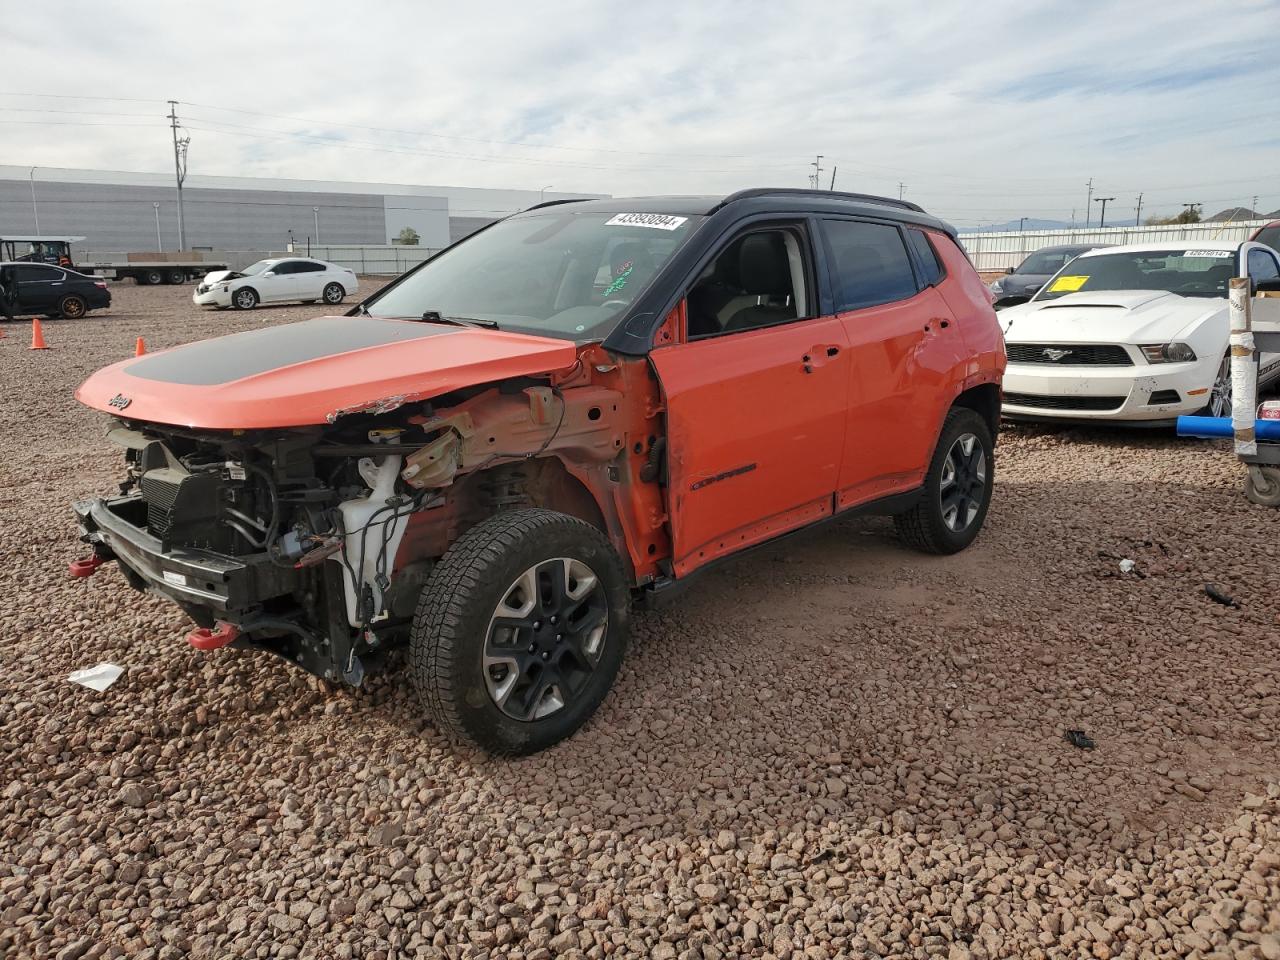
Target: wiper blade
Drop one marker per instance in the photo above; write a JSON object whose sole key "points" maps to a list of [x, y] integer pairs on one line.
{"points": [[434, 316]]}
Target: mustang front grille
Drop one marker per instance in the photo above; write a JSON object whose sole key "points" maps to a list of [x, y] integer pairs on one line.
{"points": [[1069, 354]]}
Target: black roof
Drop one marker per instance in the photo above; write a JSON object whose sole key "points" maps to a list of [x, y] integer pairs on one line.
{"points": [[774, 199]]}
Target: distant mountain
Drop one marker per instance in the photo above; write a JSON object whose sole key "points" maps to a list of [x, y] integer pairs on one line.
{"points": [[1234, 214], [1013, 225]]}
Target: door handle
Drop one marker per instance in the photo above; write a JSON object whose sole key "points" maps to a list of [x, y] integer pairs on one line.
{"points": [[824, 352]]}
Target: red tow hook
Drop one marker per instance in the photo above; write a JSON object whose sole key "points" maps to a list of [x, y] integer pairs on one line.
{"points": [[85, 566], [202, 638]]}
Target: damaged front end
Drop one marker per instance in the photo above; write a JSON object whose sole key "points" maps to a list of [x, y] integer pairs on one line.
{"points": [[315, 542]]}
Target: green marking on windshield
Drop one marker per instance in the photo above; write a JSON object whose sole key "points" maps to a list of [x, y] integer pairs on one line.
{"points": [[619, 281]]}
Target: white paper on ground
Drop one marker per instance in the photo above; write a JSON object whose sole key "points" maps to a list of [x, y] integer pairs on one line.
{"points": [[97, 678]]}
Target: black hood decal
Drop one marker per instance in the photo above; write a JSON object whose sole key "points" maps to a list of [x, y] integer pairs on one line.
{"points": [[239, 355]]}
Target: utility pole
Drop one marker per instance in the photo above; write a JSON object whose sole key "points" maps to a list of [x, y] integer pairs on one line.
{"points": [[1191, 207], [833, 178], [155, 205], [1137, 217], [1088, 203], [1022, 223], [35, 211], [1102, 222], [179, 169], [1073, 218], [1254, 209], [817, 171], [901, 189]]}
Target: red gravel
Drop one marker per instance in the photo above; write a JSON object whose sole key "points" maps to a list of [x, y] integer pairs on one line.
{"points": [[831, 748]]}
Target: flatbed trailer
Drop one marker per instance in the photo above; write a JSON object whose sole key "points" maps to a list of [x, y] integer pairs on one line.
{"points": [[154, 268]]}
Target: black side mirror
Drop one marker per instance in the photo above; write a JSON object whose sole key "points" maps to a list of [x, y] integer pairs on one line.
{"points": [[1010, 269]]}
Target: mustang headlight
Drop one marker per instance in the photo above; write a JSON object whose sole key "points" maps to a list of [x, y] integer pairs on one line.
{"points": [[1168, 353]]}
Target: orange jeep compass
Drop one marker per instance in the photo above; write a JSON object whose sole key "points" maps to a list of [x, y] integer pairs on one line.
{"points": [[492, 456]]}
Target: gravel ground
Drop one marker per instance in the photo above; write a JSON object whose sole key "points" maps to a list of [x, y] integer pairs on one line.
{"points": [[831, 748]]}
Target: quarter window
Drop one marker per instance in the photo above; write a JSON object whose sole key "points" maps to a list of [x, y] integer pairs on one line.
{"points": [[870, 264], [926, 256]]}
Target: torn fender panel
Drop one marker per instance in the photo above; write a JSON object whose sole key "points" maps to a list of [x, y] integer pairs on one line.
{"points": [[314, 372]]}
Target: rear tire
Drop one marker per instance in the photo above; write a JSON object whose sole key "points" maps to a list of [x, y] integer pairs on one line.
{"points": [[957, 488], [505, 678], [72, 307], [246, 298], [334, 293], [176, 276], [152, 277]]}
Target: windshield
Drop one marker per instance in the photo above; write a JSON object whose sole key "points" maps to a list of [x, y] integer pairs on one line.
{"points": [[255, 268], [1188, 273], [1046, 262], [553, 272]]}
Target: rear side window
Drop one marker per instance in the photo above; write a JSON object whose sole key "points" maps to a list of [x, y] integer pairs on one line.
{"points": [[38, 273], [1262, 265], [307, 266], [869, 262], [926, 257]]}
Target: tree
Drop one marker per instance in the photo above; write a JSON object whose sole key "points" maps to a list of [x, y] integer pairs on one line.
{"points": [[1188, 215], [409, 237]]}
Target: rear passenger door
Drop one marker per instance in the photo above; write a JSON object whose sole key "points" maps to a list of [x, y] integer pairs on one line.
{"points": [[309, 279], [40, 287], [903, 348]]}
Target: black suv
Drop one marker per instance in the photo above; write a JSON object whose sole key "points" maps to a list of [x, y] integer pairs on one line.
{"points": [[39, 288]]}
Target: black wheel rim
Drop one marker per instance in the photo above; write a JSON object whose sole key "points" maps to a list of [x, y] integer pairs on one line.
{"points": [[332, 294], [73, 309], [545, 639], [964, 483]]}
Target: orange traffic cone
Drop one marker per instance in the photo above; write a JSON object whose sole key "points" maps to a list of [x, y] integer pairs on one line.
{"points": [[140, 349], [37, 335]]}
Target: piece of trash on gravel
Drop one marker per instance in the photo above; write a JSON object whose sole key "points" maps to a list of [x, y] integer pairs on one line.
{"points": [[1216, 593], [1078, 738], [97, 678], [1127, 565]]}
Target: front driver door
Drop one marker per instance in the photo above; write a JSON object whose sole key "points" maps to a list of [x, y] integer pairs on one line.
{"points": [[755, 401], [281, 284]]}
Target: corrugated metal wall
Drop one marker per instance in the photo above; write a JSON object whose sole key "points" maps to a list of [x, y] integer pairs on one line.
{"points": [[998, 251]]}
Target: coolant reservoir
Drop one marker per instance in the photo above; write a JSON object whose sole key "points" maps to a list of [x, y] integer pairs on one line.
{"points": [[369, 523]]}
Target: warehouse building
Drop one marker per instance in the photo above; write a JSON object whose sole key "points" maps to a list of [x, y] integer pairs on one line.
{"points": [[119, 211]]}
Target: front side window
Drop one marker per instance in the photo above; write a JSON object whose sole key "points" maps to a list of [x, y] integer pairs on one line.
{"points": [[550, 271], [1187, 272], [1270, 236], [870, 264], [757, 280], [1044, 262]]}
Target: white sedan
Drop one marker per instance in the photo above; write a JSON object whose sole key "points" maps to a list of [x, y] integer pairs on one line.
{"points": [[276, 281], [1135, 334]]}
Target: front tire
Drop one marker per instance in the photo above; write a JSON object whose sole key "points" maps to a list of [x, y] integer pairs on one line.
{"points": [[520, 631], [957, 488], [334, 293], [1219, 404], [246, 298]]}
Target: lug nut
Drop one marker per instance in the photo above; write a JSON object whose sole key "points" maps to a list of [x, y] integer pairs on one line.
{"points": [[545, 655], [533, 647], [559, 637], [554, 619]]}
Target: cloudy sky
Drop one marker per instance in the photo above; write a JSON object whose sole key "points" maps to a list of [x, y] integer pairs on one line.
{"points": [[986, 112]]}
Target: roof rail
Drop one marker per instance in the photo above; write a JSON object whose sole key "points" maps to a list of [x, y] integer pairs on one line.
{"points": [[555, 203], [810, 192]]}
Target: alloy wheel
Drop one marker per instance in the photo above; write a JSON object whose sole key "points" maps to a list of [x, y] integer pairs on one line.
{"points": [[545, 639], [245, 299], [1220, 394], [963, 483], [333, 293]]}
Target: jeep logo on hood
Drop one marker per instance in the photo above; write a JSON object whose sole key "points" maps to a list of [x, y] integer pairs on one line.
{"points": [[119, 401]]}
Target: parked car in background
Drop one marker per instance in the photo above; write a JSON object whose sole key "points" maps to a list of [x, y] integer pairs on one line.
{"points": [[1022, 281], [40, 289], [584, 402], [283, 280], [1268, 234], [1134, 334]]}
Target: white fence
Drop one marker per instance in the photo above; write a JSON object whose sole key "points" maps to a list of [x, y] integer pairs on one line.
{"points": [[373, 259], [997, 251]]}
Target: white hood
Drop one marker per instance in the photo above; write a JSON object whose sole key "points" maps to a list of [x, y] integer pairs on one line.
{"points": [[213, 276], [1121, 316]]}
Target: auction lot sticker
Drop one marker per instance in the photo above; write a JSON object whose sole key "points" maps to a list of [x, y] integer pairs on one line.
{"points": [[1207, 253], [1068, 284], [656, 221]]}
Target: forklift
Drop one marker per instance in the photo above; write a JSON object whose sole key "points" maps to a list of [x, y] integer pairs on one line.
{"points": [[51, 250]]}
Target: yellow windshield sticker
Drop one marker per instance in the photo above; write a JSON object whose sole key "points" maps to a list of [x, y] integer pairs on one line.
{"points": [[1068, 284]]}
